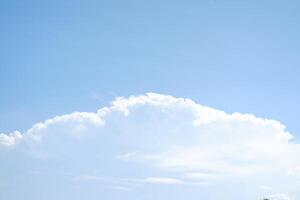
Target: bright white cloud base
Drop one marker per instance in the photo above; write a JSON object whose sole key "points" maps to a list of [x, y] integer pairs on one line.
{"points": [[142, 141]]}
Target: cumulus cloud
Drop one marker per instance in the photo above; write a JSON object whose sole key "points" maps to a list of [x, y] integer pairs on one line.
{"points": [[10, 139], [163, 136]]}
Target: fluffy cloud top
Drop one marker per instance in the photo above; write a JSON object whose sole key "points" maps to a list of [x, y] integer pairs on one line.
{"points": [[177, 139]]}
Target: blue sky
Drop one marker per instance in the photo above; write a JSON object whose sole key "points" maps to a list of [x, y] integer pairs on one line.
{"points": [[57, 57]]}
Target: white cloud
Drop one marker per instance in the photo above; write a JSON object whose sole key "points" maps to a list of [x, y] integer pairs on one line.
{"points": [[203, 176], [10, 139], [127, 184], [279, 197], [165, 135], [122, 188], [163, 180], [89, 178], [266, 187]]}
